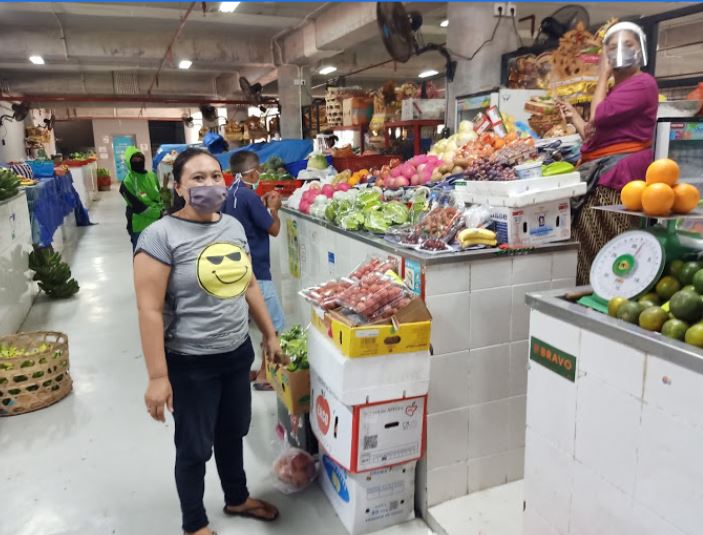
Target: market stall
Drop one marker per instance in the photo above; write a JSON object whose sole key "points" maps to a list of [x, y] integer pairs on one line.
{"points": [[479, 340]]}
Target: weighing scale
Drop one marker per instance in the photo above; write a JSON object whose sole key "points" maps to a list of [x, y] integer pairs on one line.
{"points": [[631, 263]]}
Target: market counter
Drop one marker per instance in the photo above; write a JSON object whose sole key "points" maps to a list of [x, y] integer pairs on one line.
{"points": [[614, 426], [476, 416]]}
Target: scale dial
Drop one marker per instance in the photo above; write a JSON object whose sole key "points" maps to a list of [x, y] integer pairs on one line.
{"points": [[628, 265]]}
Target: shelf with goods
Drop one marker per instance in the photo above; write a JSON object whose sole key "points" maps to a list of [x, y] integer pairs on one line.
{"points": [[414, 126]]}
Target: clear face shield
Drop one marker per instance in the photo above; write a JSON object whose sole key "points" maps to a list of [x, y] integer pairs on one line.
{"points": [[626, 46]]}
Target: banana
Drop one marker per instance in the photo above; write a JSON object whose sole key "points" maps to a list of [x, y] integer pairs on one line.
{"points": [[476, 233]]}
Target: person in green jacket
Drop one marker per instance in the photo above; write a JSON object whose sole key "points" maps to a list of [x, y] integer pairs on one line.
{"points": [[140, 190]]}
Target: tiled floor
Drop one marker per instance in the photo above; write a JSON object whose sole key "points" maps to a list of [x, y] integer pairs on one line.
{"points": [[95, 464], [496, 511]]}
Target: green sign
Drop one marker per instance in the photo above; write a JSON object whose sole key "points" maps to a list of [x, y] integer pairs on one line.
{"points": [[560, 362]]}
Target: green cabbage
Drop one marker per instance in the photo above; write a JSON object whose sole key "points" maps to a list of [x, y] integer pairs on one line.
{"points": [[397, 212], [317, 161], [376, 222], [352, 220]]}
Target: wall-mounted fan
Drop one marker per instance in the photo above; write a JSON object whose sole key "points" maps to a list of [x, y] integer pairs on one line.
{"points": [[19, 113], [400, 31], [209, 113], [187, 120], [49, 123], [558, 23], [252, 92]]}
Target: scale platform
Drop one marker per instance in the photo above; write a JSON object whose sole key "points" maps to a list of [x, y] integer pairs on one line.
{"points": [[696, 214]]}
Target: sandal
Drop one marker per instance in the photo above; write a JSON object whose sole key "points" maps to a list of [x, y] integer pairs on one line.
{"points": [[264, 507], [263, 387]]}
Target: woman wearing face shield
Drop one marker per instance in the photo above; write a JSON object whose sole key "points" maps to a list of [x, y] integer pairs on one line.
{"points": [[617, 140], [195, 291]]}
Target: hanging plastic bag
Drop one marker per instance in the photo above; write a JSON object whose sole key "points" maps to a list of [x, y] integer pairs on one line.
{"points": [[294, 469]]}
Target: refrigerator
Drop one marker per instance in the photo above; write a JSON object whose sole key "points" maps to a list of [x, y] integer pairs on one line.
{"points": [[509, 102], [681, 139]]}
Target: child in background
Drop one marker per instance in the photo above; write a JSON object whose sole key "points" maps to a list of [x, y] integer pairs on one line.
{"points": [[259, 217]]}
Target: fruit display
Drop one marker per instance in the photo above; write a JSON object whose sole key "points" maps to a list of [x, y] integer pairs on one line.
{"points": [[294, 344], [9, 184], [660, 194], [52, 273], [326, 296], [489, 170], [674, 309], [374, 265], [417, 171], [441, 223], [376, 296], [515, 153], [471, 237]]}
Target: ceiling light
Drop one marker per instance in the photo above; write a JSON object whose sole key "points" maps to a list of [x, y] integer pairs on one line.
{"points": [[184, 64], [427, 73], [444, 23], [37, 60], [327, 70], [228, 7]]}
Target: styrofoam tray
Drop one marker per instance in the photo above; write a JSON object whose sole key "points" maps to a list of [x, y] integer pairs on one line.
{"points": [[517, 187], [527, 198]]}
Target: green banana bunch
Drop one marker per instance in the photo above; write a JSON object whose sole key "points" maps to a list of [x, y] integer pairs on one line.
{"points": [[9, 184], [52, 273]]}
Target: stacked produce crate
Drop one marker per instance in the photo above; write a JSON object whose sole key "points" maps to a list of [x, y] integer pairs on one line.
{"points": [[370, 369]]}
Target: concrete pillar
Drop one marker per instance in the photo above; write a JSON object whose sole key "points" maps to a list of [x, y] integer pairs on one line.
{"points": [[470, 24], [11, 137], [292, 98]]}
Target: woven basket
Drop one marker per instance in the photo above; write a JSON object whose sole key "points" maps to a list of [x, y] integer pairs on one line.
{"points": [[34, 371]]}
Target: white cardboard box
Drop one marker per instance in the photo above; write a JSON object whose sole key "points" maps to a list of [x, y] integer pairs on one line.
{"points": [[371, 379], [422, 108], [371, 501], [533, 225], [367, 437]]}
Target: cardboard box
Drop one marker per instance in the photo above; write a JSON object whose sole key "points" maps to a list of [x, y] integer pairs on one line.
{"points": [[381, 338], [293, 388], [372, 501], [422, 108], [533, 225], [371, 379], [298, 429], [367, 437], [357, 111]]}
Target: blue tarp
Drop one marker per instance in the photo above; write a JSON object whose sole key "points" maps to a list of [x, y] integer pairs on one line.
{"points": [[289, 150], [50, 201]]}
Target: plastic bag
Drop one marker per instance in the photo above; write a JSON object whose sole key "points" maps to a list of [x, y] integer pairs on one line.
{"points": [[375, 296], [294, 469], [326, 295], [478, 216], [373, 265]]}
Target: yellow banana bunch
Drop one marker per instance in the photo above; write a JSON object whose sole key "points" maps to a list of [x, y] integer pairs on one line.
{"points": [[477, 236]]}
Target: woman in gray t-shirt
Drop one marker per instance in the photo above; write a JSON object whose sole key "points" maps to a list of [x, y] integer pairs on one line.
{"points": [[195, 290]]}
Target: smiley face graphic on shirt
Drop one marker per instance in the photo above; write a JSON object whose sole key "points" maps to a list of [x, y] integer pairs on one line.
{"points": [[224, 270]]}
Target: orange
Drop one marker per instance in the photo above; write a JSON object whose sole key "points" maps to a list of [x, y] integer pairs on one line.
{"points": [[687, 197], [498, 143], [658, 199], [663, 170], [631, 195]]}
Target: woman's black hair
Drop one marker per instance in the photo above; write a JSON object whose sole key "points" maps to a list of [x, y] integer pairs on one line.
{"points": [[181, 160]]}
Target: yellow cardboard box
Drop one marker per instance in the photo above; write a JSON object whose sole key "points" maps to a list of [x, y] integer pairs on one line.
{"points": [[292, 388], [409, 334]]}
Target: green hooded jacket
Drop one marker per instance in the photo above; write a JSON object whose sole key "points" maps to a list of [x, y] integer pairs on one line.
{"points": [[141, 193]]}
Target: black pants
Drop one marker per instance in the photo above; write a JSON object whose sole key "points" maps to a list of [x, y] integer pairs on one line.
{"points": [[212, 407], [134, 238]]}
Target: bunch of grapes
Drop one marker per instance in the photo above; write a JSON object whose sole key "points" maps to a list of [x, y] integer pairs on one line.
{"points": [[515, 154], [489, 170]]}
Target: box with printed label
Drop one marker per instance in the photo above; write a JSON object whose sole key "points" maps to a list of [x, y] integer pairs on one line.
{"points": [[298, 429], [533, 225], [365, 437], [372, 501], [357, 111], [371, 379], [293, 388], [409, 334]]}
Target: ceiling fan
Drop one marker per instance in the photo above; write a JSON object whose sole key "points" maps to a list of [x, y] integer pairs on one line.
{"points": [[400, 31], [19, 113], [49, 123]]}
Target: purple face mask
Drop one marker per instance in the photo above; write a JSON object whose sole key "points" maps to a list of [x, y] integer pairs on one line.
{"points": [[207, 199]]}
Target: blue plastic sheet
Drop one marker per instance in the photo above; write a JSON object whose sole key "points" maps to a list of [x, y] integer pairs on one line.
{"points": [[289, 150], [50, 201]]}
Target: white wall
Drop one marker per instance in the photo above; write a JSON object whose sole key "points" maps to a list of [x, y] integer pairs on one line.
{"points": [[11, 137], [104, 129]]}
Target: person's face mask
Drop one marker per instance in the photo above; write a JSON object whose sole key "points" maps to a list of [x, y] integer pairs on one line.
{"points": [[628, 57], [138, 165], [207, 199], [251, 178]]}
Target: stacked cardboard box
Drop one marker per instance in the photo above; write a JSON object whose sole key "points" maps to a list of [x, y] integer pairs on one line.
{"points": [[369, 387]]}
